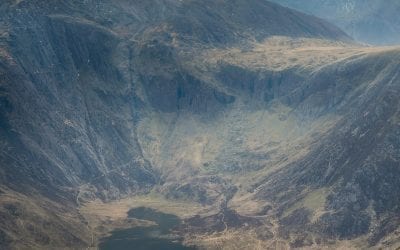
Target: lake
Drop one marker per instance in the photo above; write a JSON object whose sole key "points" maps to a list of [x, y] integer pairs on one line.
{"points": [[157, 237]]}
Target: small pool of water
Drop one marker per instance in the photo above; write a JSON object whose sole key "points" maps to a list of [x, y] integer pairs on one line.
{"points": [[157, 237]]}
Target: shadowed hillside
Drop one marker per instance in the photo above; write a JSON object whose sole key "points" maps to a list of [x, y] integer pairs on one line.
{"points": [[368, 21], [240, 117]]}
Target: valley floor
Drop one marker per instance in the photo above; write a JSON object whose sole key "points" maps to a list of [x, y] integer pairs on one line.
{"points": [[103, 218]]}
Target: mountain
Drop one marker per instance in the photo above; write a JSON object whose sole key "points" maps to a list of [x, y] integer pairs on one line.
{"points": [[368, 21], [252, 122]]}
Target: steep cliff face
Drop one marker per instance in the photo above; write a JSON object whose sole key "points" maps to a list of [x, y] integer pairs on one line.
{"points": [[353, 165], [61, 70], [223, 103]]}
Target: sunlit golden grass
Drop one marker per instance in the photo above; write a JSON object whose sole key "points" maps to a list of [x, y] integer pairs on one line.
{"points": [[280, 53]]}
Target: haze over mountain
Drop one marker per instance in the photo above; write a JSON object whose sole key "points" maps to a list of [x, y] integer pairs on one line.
{"points": [[369, 21], [257, 125]]}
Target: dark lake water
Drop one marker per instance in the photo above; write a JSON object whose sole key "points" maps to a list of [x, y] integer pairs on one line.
{"points": [[158, 237]]}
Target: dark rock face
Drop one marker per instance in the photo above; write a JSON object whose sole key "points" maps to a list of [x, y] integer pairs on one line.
{"points": [[262, 87], [63, 75], [82, 81], [345, 224]]}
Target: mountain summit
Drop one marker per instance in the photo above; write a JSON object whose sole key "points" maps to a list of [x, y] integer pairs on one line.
{"points": [[368, 21]]}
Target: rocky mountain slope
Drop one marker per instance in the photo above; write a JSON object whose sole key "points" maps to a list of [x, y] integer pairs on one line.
{"points": [[368, 21], [251, 116]]}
